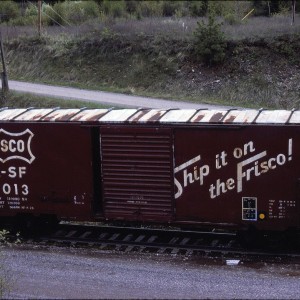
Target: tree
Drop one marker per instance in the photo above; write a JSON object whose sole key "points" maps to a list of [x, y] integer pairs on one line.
{"points": [[8, 10], [209, 42]]}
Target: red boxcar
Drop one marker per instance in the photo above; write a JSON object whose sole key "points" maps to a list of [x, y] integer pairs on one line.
{"points": [[215, 168]]}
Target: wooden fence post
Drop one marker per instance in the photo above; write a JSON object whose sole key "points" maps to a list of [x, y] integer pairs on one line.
{"points": [[39, 17], [293, 11], [4, 78]]}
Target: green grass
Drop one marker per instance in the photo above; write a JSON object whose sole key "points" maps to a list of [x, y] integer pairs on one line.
{"points": [[257, 72], [20, 100], [178, 28]]}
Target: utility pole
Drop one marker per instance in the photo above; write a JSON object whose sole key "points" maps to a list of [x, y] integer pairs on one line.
{"points": [[39, 17], [4, 79]]}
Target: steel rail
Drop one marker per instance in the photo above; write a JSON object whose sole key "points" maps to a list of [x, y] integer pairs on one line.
{"points": [[169, 241]]}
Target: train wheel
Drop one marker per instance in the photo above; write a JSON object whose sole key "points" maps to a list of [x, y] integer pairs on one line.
{"points": [[24, 224], [251, 238], [31, 225], [48, 223], [292, 238]]}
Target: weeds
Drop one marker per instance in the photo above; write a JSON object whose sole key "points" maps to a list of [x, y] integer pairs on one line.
{"points": [[174, 28], [154, 57], [20, 100], [5, 279], [9, 10], [161, 66]]}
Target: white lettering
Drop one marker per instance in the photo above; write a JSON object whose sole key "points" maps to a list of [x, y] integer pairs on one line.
{"points": [[6, 188], [204, 171], [188, 163], [241, 174], [12, 146], [221, 187], [197, 174], [12, 172], [280, 159], [237, 152], [16, 146], [258, 168], [4, 147], [25, 190]]}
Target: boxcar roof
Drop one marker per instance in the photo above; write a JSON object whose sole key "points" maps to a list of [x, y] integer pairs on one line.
{"points": [[247, 116]]}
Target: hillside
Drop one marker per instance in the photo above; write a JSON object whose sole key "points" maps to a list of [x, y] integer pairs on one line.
{"points": [[258, 70]]}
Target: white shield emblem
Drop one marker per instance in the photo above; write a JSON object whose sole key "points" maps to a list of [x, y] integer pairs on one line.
{"points": [[16, 146]]}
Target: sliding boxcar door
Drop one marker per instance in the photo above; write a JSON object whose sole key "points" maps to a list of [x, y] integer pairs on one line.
{"points": [[137, 173]]}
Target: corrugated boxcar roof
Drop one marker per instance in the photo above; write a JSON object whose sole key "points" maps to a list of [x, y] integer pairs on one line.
{"points": [[247, 116]]}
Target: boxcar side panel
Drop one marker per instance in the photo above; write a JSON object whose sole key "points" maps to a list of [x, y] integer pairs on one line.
{"points": [[238, 175], [46, 168]]}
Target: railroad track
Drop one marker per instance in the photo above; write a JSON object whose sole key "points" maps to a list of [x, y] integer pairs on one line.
{"points": [[131, 239]]}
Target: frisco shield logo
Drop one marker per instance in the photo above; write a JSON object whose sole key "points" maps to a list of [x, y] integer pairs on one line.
{"points": [[16, 146]]}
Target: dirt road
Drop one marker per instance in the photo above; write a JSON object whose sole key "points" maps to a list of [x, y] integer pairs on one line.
{"points": [[106, 98]]}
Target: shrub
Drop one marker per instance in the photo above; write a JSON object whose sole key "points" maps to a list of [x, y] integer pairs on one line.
{"points": [[72, 12], [31, 16], [268, 8], [31, 10], [115, 9], [149, 9], [5, 279], [8, 10], [231, 19], [57, 14], [218, 8], [197, 8], [131, 6], [81, 11], [229, 9], [209, 43], [91, 9], [169, 8]]}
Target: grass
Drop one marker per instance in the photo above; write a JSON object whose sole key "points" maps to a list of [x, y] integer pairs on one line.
{"points": [[20, 100], [177, 28], [154, 58], [226, 96]]}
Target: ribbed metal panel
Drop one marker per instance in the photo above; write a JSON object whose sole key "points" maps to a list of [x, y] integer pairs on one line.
{"points": [[137, 173]]}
